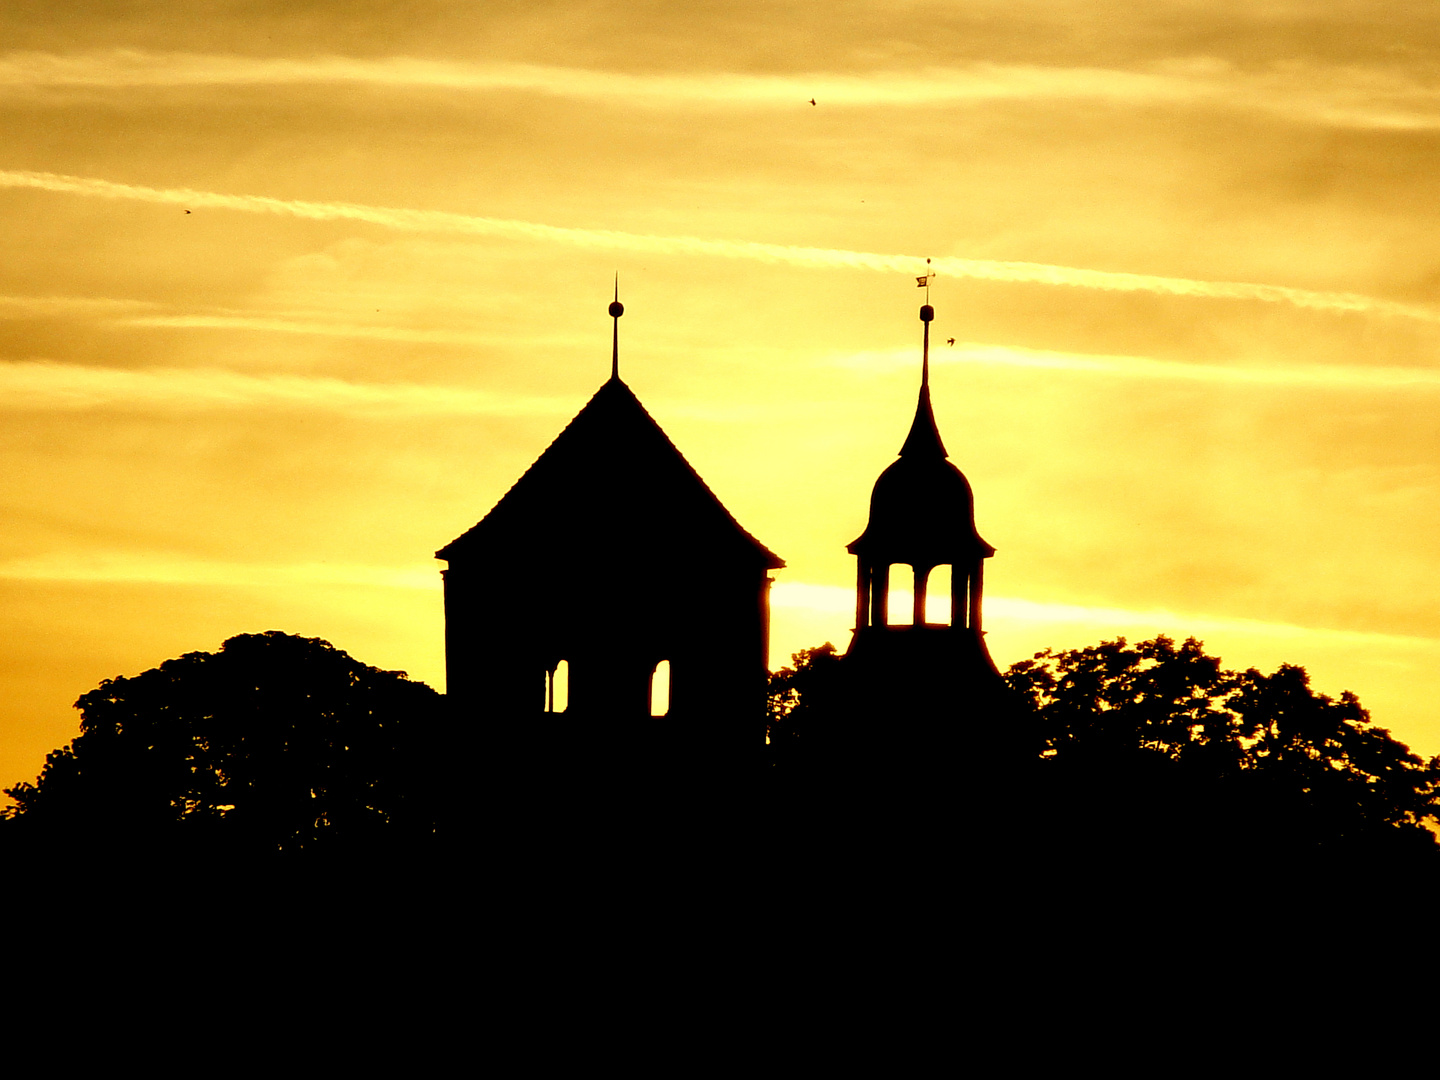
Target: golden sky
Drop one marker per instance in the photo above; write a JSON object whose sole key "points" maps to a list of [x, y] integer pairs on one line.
{"points": [[1188, 251]]}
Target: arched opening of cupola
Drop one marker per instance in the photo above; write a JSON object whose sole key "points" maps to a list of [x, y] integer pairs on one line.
{"points": [[938, 601], [660, 689], [900, 595], [557, 687]]}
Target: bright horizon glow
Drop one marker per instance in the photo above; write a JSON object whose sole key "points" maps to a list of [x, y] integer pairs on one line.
{"points": [[817, 599], [839, 600]]}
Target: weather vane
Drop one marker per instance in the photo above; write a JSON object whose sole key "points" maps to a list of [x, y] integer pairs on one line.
{"points": [[924, 281], [927, 315]]}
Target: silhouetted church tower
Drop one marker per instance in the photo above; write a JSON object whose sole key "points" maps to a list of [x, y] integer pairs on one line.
{"points": [[610, 565], [922, 527]]}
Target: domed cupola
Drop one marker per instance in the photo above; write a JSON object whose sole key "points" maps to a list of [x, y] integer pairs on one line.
{"points": [[922, 515], [922, 509]]}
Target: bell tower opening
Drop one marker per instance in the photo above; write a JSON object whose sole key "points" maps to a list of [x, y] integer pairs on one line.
{"points": [[938, 602], [660, 689], [900, 600], [557, 687]]}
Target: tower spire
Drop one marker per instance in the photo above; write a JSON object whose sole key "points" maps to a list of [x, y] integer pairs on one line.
{"points": [[616, 310], [924, 437], [927, 313]]}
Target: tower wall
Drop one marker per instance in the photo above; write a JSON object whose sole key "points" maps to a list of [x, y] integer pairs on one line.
{"points": [[502, 636]]}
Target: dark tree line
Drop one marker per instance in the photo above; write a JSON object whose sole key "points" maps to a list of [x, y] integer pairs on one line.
{"points": [[1263, 760], [1156, 751], [281, 744], [275, 743]]}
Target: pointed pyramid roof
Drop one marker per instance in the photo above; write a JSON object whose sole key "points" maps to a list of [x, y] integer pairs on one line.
{"points": [[611, 484], [924, 438]]}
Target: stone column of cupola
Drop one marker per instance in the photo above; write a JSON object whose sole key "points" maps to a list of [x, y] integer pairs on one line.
{"points": [[922, 578], [880, 595], [959, 595], [862, 594], [976, 580]]}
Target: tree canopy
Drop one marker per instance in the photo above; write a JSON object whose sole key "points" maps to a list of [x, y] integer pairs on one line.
{"points": [[1250, 758], [1153, 747], [799, 697], [275, 742]]}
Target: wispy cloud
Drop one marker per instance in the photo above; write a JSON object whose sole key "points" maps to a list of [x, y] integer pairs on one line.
{"points": [[321, 327], [821, 258], [44, 385], [37, 384], [839, 600], [166, 569], [1306, 93], [142, 313], [50, 307], [126, 68], [1317, 376]]}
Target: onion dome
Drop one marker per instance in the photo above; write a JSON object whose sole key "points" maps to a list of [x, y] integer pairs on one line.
{"points": [[922, 510]]}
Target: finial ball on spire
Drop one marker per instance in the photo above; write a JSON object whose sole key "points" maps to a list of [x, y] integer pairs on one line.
{"points": [[927, 313], [616, 309]]}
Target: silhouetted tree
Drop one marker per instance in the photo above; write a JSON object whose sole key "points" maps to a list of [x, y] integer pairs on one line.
{"points": [[1124, 754], [800, 697], [275, 742], [1158, 740]]}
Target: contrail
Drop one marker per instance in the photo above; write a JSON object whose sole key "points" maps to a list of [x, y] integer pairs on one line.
{"points": [[50, 307], [32, 384], [1329, 95], [301, 326], [27, 385], [169, 569], [440, 221], [1347, 378]]}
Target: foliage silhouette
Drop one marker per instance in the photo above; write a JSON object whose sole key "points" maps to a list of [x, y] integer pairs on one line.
{"points": [[1158, 738], [274, 743], [1151, 751], [799, 697]]}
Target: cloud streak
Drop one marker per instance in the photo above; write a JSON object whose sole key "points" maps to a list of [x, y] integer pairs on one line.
{"points": [[440, 221], [321, 328], [57, 307], [30, 385], [162, 569], [48, 386], [123, 69], [1340, 377], [1323, 95]]}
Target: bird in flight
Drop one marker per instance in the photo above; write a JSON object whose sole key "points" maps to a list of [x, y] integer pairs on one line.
{"points": [[950, 341], [812, 101], [187, 211]]}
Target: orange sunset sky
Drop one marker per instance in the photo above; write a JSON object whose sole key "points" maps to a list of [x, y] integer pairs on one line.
{"points": [[1188, 252]]}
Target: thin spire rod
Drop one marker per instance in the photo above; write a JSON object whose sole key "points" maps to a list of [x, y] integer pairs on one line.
{"points": [[927, 313], [616, 310], [925, 353]]}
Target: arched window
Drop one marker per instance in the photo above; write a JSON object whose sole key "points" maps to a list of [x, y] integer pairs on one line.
{"points": [[660, 689], [557, 688], [937, 596], [900, 601]]}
